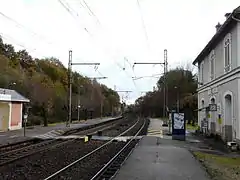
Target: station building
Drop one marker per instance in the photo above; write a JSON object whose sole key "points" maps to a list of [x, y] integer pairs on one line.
{"points": [[219, 80], [11, 109]]}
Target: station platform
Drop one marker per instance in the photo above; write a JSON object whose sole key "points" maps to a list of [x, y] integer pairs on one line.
{"points": [[158, 157], [49, 131]]}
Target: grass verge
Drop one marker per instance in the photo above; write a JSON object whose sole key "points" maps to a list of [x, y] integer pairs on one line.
{"points": [[191, 127], [220, 167]]}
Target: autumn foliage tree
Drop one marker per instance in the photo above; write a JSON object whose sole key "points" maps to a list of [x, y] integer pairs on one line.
{"points": [[181, 84], [45, 83]]}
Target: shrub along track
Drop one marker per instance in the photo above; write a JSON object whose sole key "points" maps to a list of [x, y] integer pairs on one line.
{"points": [[42, 164]]}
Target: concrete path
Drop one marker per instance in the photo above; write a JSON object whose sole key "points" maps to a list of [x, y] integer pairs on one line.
{"points": [[157, 157], [50, 131]]}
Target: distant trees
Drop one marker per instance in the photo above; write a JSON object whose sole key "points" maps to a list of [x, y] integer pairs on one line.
{"points": [[45, 83], [180, 83]]}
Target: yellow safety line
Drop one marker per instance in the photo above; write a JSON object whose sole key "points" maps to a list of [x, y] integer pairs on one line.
{"points": [[153, 130]]}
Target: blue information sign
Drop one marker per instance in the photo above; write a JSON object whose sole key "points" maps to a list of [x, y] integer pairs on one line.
{"points": [[178, 126]]}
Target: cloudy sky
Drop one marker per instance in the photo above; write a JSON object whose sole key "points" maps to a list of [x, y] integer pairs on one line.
{"points": [[115, 33]]}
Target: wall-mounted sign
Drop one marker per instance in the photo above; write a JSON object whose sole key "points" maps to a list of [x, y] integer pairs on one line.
{"points": [[212, 107], [5, 97]]}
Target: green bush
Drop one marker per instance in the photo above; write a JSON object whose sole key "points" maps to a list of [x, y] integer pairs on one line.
{"points": [[34, 120]]}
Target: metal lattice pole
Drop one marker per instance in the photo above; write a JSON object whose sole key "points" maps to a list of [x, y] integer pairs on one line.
{"points": [[70, 64], [69, 89]]}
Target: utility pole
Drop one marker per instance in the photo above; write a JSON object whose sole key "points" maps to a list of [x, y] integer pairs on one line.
{"points": [[70, 64], [164, 83], [69, 89]]}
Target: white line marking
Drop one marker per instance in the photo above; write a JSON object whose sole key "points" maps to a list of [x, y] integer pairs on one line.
{"points": [[13, 136]]}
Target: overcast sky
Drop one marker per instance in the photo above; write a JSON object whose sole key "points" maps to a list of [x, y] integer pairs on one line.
{"points": [[114, 30]]}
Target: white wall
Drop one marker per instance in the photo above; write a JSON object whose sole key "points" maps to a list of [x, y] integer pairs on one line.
{"points": [[219, 56], [220, 89]]}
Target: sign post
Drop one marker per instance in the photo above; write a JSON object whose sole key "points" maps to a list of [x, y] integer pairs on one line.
{"points": [[178, 126], [25, 116]]}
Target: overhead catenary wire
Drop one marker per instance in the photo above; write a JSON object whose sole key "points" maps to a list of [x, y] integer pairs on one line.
{"points": [[91, 11], [74, 15], [71, 12], [84, 7], [30, 32], [66, 7], [93, 14], [107, 78], [122, 68], [8, 38], [144, 28], [33, 33], [143, 24], [20, 44]]}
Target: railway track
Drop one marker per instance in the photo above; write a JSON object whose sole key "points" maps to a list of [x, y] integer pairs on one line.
{"points": [[8, 157], [9, 147], [78, 131], [26, 149], [109, 168]]}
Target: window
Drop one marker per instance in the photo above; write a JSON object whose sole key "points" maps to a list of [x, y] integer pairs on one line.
{"points": [[212, 62], [201, 73], [202, 104], [227, 53]]}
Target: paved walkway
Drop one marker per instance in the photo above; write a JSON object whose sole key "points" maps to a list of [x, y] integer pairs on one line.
{"points": [[157, 157], [40, 131]]}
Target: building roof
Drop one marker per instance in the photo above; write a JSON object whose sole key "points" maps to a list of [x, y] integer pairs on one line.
{"points": [[223, 30], [13, 95]]}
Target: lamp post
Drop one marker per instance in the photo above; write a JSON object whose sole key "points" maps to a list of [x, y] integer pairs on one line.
{"points": [[79, 112], [11, 84], [79, 106], [25, 116]]}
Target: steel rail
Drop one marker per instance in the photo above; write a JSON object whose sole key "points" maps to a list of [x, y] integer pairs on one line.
{"points": [[104, 168], [19, 153], [9, 157], [9, 147], [90, 153]]}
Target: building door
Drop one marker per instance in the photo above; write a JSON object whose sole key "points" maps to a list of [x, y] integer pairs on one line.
{"points": [[228, 118], [1, 120], [213, 118]]}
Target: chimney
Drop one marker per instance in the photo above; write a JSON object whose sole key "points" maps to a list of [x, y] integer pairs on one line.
{"points": [[218, 26], [227, 15]]}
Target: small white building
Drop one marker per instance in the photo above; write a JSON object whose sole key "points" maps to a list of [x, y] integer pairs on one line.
{"points": [[219, 79], [11, 109]]}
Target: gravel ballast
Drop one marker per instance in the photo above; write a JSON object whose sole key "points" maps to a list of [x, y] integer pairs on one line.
{"points": [[43, 164], [87, 168]]}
